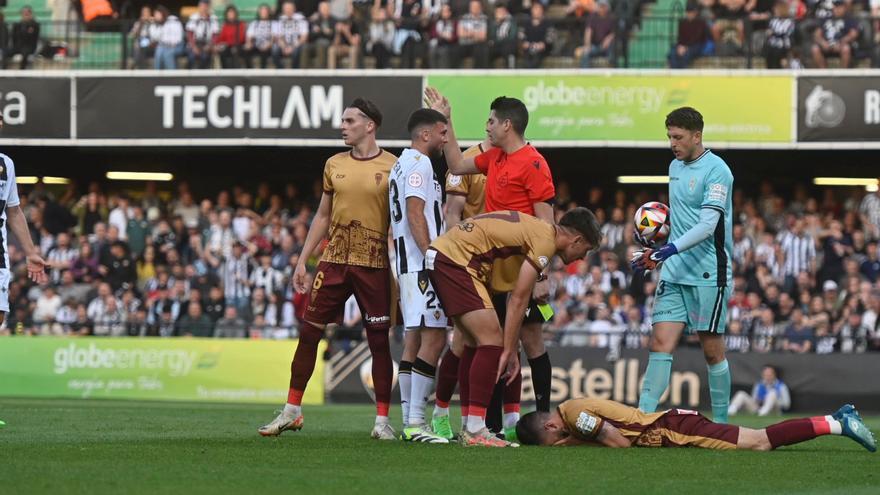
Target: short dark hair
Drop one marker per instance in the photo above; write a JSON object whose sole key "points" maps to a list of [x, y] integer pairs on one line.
{"points": [[423, 117], [369, 109], [686, 118], [530, 428], [585, 223], [513, 110]]}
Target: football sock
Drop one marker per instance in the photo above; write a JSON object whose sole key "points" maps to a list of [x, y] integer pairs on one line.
{"points": [[404, 381], [464, 371], [383, 368], [292, 410], [303, 363], [512, 396], [799, 430], [422, 382], [542, 372], [482, 381], [511, 415], [656, 381], [493, 412], [719, 390], [447, 377]]}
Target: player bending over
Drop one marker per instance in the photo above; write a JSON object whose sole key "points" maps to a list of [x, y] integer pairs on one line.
{"points": [[503, 251], [612, 424]]}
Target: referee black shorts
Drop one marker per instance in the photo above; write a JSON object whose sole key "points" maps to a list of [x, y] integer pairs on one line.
{"points": [[533, 314]]}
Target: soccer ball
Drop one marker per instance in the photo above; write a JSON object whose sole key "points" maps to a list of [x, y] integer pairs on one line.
{"points": [[652, 222]]}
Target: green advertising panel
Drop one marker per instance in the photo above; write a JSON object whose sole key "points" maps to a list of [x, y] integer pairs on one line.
{"points": [[203, 370], [625, 107]]}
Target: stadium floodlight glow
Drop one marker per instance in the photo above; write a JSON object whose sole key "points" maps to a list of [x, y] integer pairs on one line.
{"points": [[844, 181], [643, 179], [155, 176], [30, 179]]}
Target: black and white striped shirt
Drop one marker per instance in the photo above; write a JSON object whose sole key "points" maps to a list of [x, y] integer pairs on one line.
{"points": [[291, 29], [269, 279], [235, 277], [799, 253], [60, 255], [613, 234]]}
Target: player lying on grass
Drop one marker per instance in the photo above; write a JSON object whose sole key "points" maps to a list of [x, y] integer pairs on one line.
{"points": [[612, 424], [502, 251]]}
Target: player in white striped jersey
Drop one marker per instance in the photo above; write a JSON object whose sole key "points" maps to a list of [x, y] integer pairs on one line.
{"points": [[12, 217], [416, 220]]}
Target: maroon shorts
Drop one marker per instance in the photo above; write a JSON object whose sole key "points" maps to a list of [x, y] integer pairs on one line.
{"points": [[458, 290], [335, 283], [685, 428]]}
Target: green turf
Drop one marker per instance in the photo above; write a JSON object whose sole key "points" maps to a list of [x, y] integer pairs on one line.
{"points": [[129, 447]]}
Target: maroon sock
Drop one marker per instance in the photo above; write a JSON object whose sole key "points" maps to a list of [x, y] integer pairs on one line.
{"points": [[447, 376], [303, 363], [791, 432], [513, 393], [383, 368], [482, 377], [464, 375]]}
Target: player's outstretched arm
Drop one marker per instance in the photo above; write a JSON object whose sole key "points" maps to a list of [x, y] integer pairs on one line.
{"points": [[455, 161], [317, 232], [454, 208], [18, 225], [610, 436]]}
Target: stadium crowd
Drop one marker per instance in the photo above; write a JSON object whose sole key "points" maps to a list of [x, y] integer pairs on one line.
{"points": [[806, 268], [444, 34]]}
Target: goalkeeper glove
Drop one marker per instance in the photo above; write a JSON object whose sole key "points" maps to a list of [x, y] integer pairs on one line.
{"points": [[645, 260]]}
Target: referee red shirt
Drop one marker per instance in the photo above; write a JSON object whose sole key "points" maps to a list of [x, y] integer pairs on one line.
{"points": [[516, 181]]}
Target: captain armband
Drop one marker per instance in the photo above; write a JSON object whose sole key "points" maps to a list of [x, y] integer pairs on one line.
{"points": [[588, 425]]}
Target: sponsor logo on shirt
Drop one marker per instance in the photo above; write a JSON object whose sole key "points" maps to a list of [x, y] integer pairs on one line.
{"points": [[414, 179]]}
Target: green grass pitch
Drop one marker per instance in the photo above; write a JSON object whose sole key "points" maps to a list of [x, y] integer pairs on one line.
{"points": [[64, 446]]}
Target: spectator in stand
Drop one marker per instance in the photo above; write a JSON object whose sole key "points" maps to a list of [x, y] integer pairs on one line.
{"points": [[230, 45], [444, 40], [836, 36], [780, 34], [231, 326], [260, 37], [769, 395], [142, 34], [291, 36], [869, 211], [798, 337], [169, 39], [61, 257], [537, 37], [45, 309], [693, 35], [380, 38], [729, 31], [323, 32], [109, 318], [504, 33], [473, 35], [799, 250], [201, 28], [347, 38], [195, 323], [119, 216], [599, 36], [25, 37], [870, 266], [409, 41]]}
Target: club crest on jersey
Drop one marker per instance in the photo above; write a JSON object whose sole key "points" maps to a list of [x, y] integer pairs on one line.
{"points": [[543, 261], [414, 179], [502, 181], [437, 314], [378, 178], [454, 180], [692, 184]]}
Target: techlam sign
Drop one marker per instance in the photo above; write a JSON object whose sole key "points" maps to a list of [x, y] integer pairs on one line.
{"points": [[248, 107], [841, 108]]}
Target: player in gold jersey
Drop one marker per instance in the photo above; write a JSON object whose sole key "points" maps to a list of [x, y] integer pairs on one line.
{"points": [[354, 212], [612, 424], [502, 251], [465, 198]]}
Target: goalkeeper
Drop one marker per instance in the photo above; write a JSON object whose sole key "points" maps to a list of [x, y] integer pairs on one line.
{"points": [[612, 424], [694, 282]]}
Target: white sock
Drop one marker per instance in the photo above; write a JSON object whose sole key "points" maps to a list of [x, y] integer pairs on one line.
{"points": [[381, 420], [475, 423], [510, 419], [439, 412], [422, 384], [836, 427], [404, 381], [292, 410]]}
